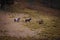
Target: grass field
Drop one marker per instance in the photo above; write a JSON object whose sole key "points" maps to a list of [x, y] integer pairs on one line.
{"points": [[48, 30]]}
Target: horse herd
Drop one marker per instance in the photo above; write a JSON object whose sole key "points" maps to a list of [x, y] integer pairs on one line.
{"points": [[27, 20]]}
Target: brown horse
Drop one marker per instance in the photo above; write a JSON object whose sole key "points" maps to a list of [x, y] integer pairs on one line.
{"points": [[28, 20]]}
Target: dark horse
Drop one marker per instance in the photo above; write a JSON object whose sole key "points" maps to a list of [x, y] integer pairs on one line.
{"points": [[6, 2], [40, 22], [28, 20]]}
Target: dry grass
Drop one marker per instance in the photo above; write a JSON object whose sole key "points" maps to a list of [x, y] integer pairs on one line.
{"points": [[49, 30]]}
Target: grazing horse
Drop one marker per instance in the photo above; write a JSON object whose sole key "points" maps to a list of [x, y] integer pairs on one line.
{"points": [[16, 19], [40, 21], [28, 20], [6, 2]]}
